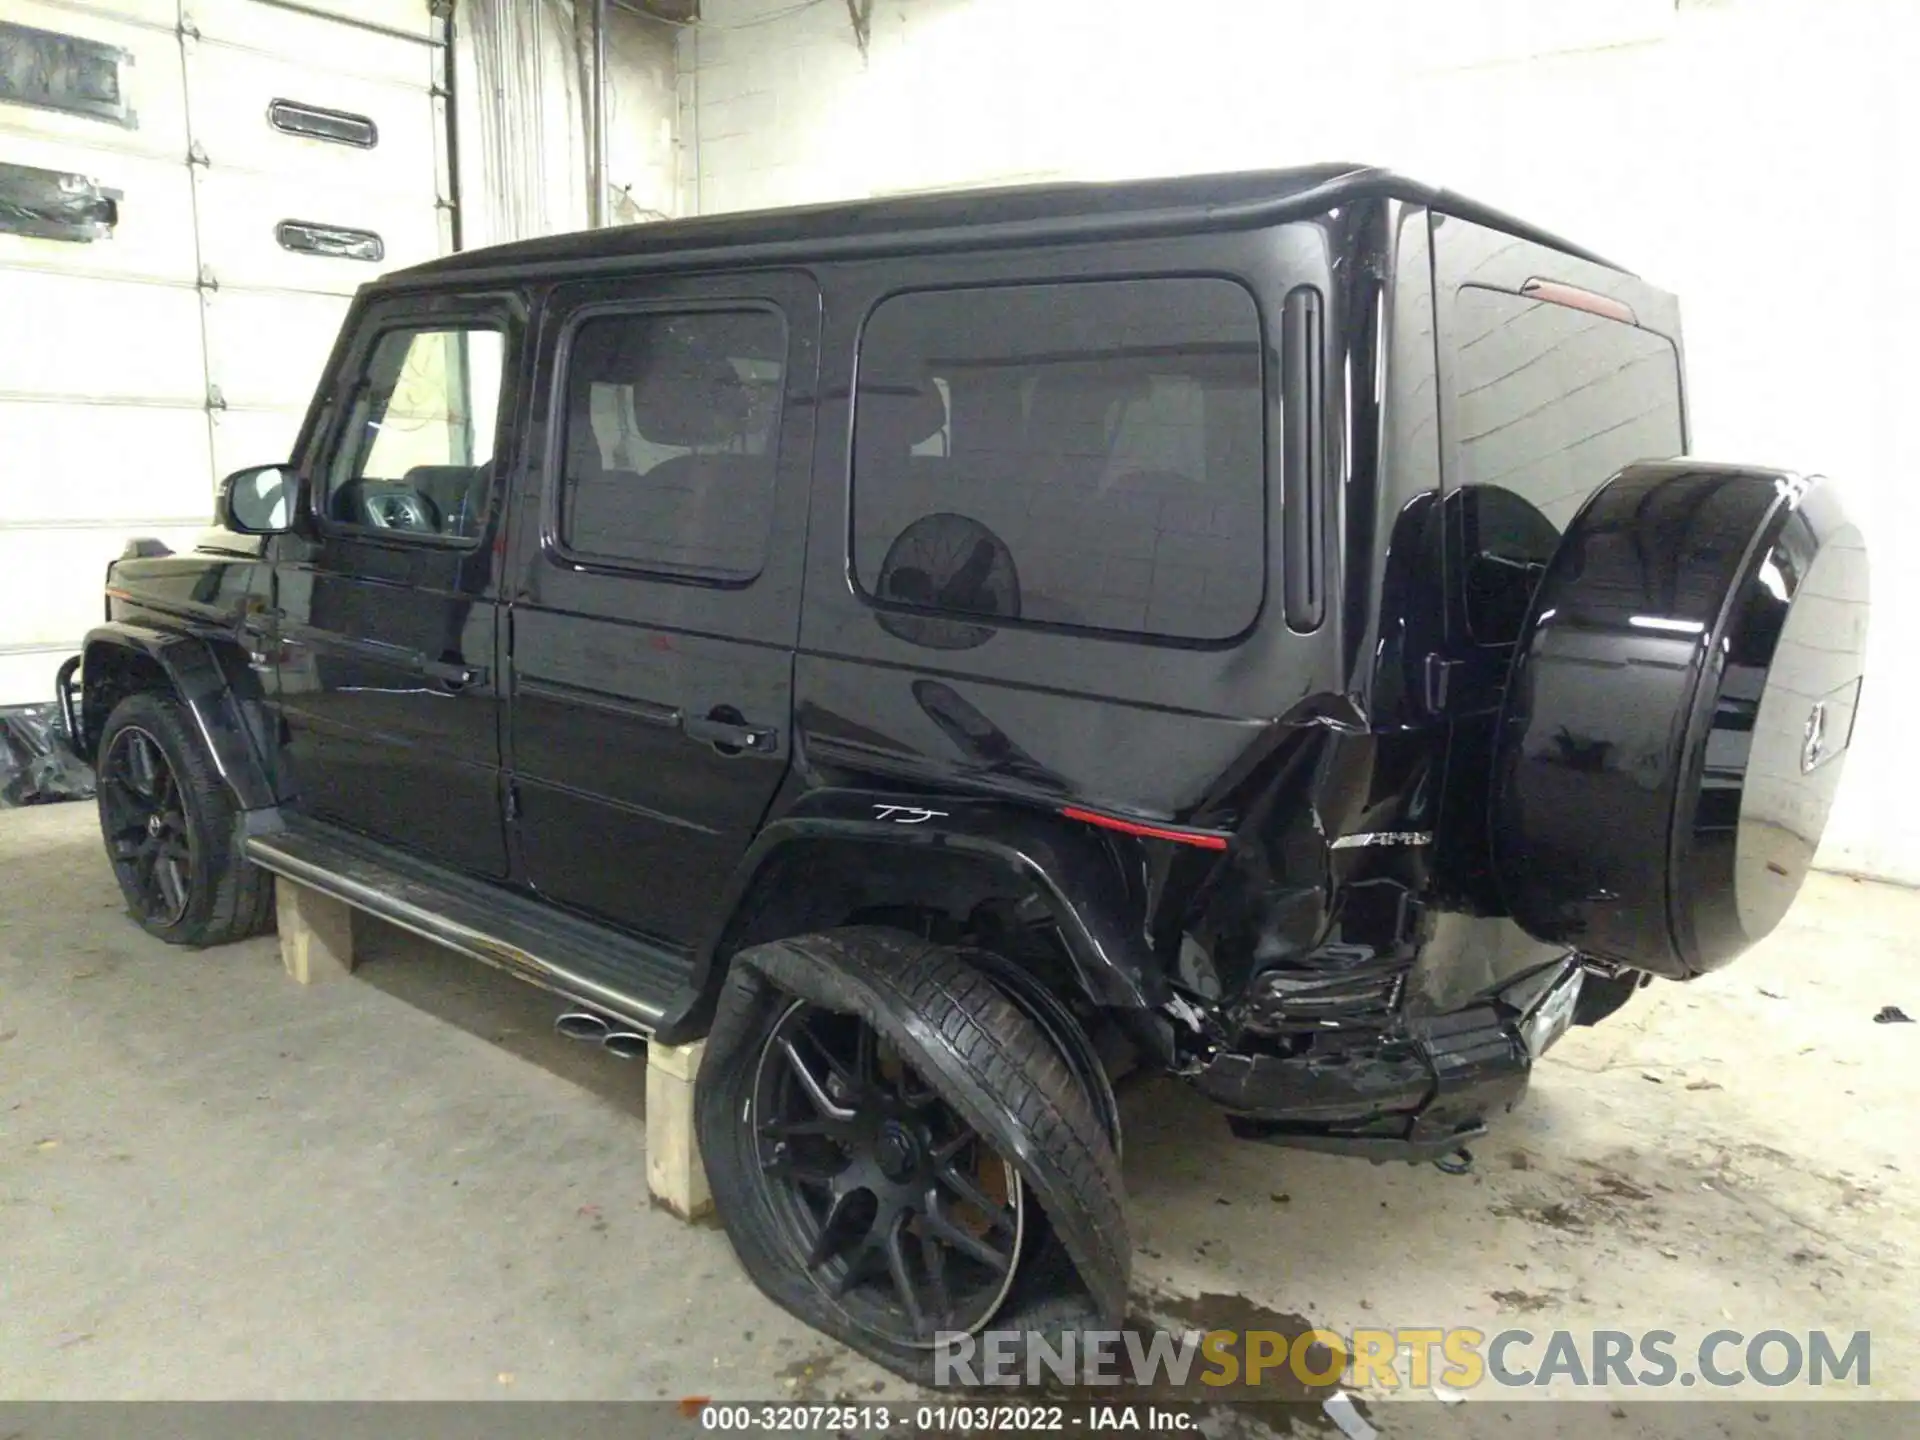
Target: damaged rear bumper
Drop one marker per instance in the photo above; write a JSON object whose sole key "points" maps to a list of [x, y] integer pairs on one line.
{"points": [[1414, 1092]]}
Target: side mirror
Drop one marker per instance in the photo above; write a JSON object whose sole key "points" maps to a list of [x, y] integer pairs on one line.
{"points": [[259, 500]]}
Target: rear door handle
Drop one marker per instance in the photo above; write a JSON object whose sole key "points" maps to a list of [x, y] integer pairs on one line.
{"points": [[454, 674], [727, 733]]}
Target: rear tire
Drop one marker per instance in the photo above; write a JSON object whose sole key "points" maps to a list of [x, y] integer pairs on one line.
{"points": [[974, 1072], [168, 821]]}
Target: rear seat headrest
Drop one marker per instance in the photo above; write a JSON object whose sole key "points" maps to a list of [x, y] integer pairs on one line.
{"points": [[892, 414], [686, 392]]}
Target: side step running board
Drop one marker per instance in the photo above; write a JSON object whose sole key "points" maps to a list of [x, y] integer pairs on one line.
{"points": [[591, 965]]}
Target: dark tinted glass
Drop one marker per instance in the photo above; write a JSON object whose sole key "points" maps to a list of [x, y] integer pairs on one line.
{"points": [[670, 432], [1552, 403], [1079, 454]]}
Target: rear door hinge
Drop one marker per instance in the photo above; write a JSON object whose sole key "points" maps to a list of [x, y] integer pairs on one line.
{"points": [[513, 802], [1439, 676]]}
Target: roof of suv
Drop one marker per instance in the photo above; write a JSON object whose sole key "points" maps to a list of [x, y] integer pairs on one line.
{"points": [[966, 219]]}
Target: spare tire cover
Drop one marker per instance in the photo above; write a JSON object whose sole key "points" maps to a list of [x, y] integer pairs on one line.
{"points": [[1680, 703]]}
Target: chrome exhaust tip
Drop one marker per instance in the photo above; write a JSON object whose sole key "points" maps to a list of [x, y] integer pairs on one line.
{"points": [[582, 1025], [627, 1044]]}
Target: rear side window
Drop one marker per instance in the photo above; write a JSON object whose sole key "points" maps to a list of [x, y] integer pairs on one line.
{"points": [[1552, 402], [670, 430], [1088, 454]]}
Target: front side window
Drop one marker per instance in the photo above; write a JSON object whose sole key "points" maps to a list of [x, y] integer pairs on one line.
{"points": [[416, 456], [669, 437], [1087, 454], [1553, 401]]}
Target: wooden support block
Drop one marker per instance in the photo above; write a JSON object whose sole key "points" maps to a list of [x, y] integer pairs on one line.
{"points": [[675, 1173], [316, 932]]}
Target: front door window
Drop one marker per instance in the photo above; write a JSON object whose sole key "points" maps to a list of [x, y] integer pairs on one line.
{"points": [[416, 456]]}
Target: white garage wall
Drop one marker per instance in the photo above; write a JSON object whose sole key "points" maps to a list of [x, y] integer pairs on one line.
{"points": [[1751, 155], [524, 129], [138, 366]]}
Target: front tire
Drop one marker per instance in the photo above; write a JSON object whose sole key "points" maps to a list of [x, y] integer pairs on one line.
{"points": [[168, 822], [898, 1152]]}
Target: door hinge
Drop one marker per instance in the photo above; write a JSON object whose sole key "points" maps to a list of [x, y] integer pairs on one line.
{"points": [[513, 802], [197, 154], [1439, 674], [215, 400]]}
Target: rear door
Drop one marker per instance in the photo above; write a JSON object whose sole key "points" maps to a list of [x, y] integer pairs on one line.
{"points": [[388, 681], [1554, 373], [657, 595]]}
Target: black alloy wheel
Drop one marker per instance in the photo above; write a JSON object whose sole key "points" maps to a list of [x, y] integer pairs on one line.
{"points": [[889, 1200], [149, 838]]}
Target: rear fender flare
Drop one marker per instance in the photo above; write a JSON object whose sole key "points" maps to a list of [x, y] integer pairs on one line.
{"points": [[198, 680], [1101, 923]]}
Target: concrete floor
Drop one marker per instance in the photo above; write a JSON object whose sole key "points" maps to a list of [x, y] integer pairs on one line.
{"points": [[215, 1183]]}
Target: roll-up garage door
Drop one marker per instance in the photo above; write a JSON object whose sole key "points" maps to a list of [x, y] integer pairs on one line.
{"points": [[190, 193]]}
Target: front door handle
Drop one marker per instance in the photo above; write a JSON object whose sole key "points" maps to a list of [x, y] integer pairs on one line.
{"points": [[454, 674], [728, 732]]}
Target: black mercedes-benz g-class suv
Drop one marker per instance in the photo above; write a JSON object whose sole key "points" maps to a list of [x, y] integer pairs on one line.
{"points": [[944, 651]]}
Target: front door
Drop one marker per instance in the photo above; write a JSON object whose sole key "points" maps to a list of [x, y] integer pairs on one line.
{"points": [[389, 676], [657, 589]]}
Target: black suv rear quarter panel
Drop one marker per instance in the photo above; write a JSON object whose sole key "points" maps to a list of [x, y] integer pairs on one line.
{"points": [[1045, 715], [1142, 727]]}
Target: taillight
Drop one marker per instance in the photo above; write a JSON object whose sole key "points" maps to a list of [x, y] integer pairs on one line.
{"points": [[1199, 839]]}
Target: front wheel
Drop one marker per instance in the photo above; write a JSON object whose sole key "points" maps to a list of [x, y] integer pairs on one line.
{"points": [[899, 1154], [168, 822]]}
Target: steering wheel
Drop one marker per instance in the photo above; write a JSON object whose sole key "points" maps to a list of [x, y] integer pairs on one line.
{"points": [[400, 510]]}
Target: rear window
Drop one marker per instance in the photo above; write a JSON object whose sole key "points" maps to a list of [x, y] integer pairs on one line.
{"points": [[1552, 403], [1087, 454]]}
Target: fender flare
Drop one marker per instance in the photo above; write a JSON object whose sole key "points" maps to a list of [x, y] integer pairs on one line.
{"points": [[200, 683], [1068, 864], [995, 1077]]}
